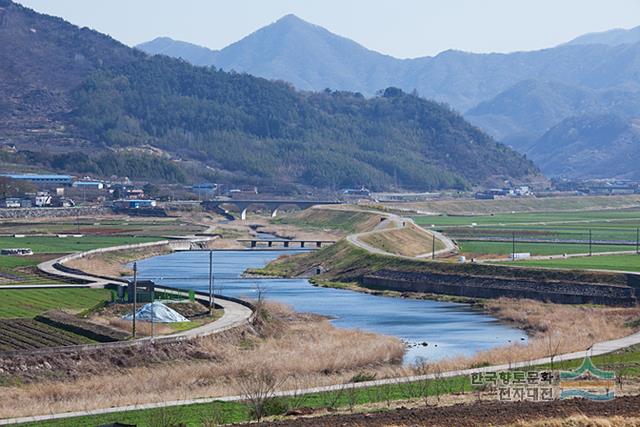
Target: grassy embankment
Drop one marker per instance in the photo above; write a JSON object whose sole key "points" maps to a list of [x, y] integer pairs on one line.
{"points": [[343, 220], [406, 241], [624, 362], [343, 262], [114, 263]]}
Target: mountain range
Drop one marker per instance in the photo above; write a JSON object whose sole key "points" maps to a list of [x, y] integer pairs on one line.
{"points": [[515, 97], [75, 100]]}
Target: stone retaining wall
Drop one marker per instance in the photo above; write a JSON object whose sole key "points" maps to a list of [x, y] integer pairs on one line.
{"points": [[495, 287]]}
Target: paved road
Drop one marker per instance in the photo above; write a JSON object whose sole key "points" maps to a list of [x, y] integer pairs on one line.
{"points": [[597, 349]]}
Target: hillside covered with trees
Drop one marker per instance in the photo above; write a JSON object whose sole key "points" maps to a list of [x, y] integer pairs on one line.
{"points": [[227, 126]]}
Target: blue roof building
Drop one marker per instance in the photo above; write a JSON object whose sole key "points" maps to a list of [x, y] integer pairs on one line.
{"points": [[65, 180]]}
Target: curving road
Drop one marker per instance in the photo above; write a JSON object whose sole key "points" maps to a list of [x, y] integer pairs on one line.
{"points": [[396, 222], [235, 314]]}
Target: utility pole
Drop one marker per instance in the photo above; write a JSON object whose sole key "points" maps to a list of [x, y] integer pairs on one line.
{"points": [[135, 296], [211, 303], [433, 246], [590, 243], [153, 311]]}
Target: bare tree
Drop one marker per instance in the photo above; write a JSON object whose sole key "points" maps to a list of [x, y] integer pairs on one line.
{"points": [[424, 385], [258, 387], [553, 341]]}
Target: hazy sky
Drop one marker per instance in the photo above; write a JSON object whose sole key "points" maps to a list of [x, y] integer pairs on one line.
{"points": [[403, 28]]}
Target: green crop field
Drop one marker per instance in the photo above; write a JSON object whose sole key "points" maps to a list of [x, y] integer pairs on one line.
{"points": [[601, 262], [54, 244], [629, 215], [541, 233], [527, 204], [17, 270], [505, 248], [31, 302]]}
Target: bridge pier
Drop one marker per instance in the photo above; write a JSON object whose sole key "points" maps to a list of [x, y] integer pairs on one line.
{"points": [[302, 243], [286, 244], [243, 205], [318, 244], [254, 243], [270, 243]]}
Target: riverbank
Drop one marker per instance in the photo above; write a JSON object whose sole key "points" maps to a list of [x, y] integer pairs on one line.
{"points": [[552, 328], [114, 263]]}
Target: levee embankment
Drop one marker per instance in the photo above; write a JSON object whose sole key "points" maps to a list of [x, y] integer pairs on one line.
{"points": [[559, 292], [344, 262]]}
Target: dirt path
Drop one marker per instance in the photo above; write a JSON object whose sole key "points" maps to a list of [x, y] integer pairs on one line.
{"points": [[490, 413]]}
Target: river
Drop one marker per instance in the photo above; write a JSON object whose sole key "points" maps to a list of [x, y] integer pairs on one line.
{"points": [[447, 329]]}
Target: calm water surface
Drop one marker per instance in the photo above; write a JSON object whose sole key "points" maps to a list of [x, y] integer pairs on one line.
{"points": [[449, 329]]}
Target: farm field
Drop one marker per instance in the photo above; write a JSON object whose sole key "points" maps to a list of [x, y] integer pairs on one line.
{"points": [[102, 226], [529, 204], [528, 218], [477, 248], [541, 233], [28, 303], [57, 245], [29, 334], [601, 262], [16, 270]]}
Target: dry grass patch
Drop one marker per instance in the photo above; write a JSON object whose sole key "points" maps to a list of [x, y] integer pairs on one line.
{"points": [[553, 329], [407, 241], [114, 263]]}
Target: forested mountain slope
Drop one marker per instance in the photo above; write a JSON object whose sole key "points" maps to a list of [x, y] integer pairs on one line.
{"points": [[109, 109]]}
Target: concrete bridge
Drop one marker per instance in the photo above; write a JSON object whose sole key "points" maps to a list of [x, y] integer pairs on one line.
{"points": [[243, 206], [286, 243]]}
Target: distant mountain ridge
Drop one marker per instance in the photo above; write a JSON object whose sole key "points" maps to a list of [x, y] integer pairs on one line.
{"points": [[613, 37], [515, 97], [72, 99], [591, 146], [312, 58]]}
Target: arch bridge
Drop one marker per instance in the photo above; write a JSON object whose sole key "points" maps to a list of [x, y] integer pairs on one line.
{"points": [[243, 206]]}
